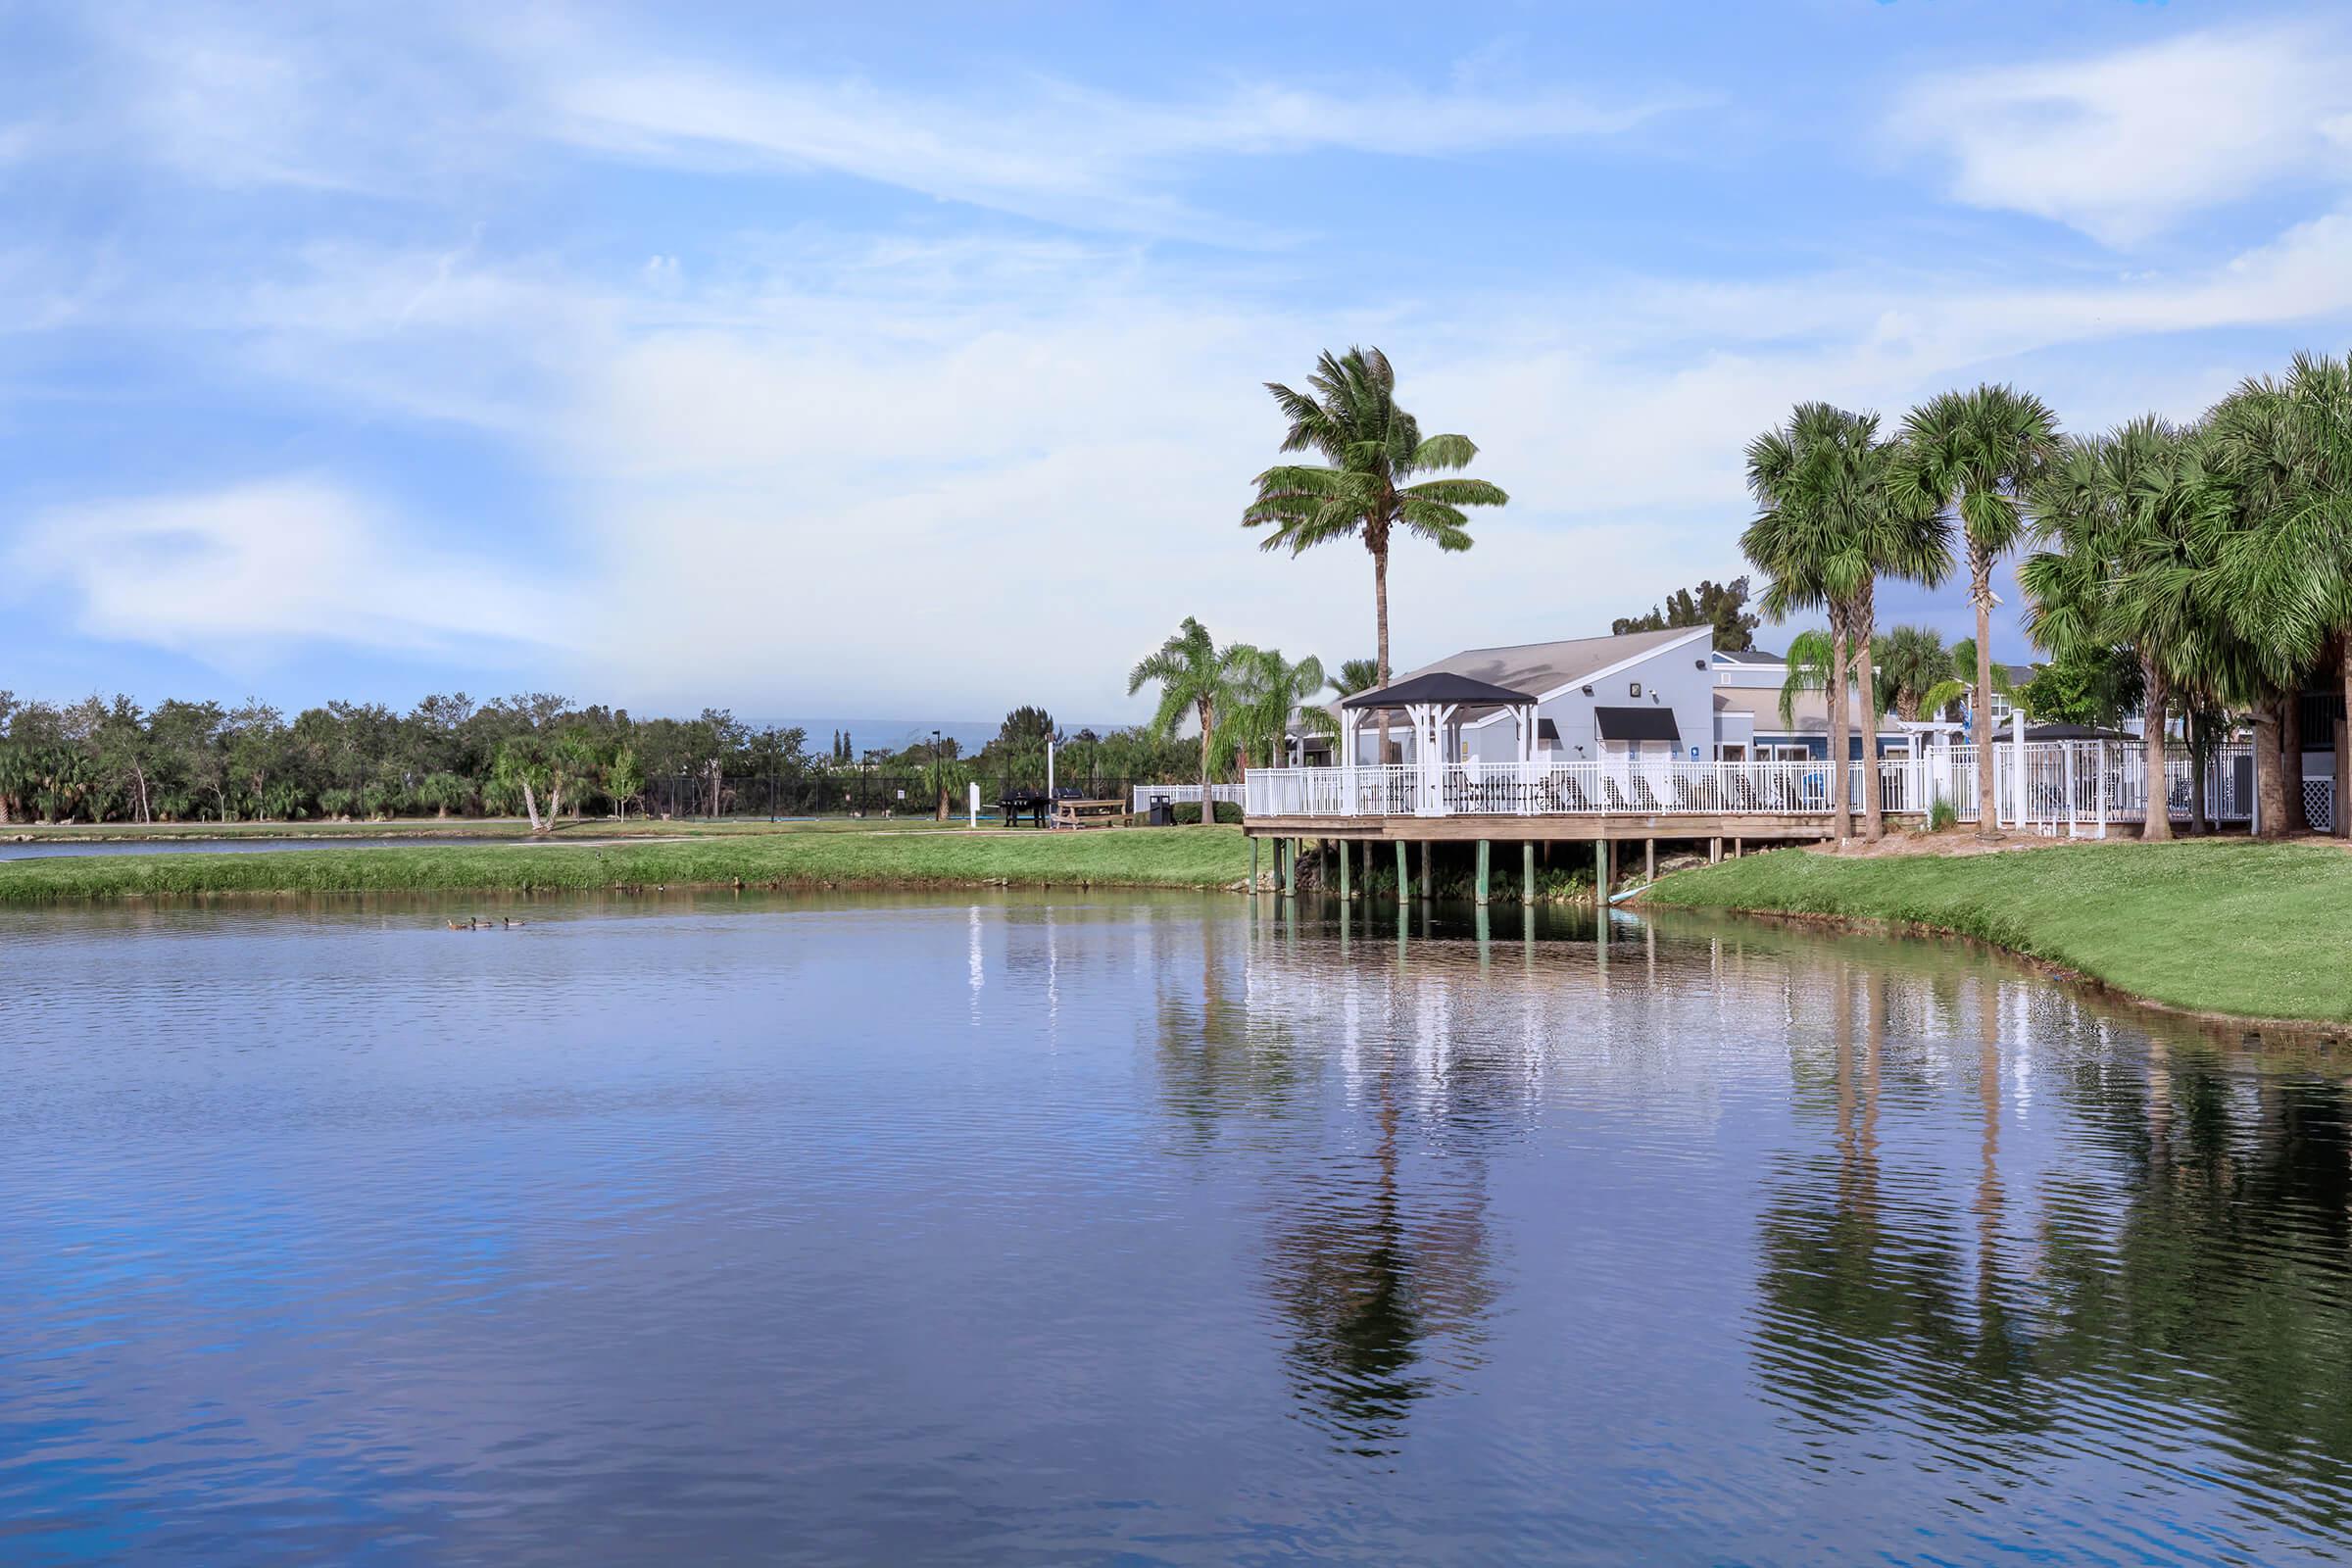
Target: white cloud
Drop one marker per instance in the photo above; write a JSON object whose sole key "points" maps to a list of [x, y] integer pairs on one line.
{"points": [[2125, 145], [255, 572]]}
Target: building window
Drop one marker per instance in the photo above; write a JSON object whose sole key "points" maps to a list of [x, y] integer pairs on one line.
{"points": [[1998, 708]]}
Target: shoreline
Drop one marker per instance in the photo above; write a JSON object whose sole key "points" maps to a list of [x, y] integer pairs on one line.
{"points": [[2235, 933]]}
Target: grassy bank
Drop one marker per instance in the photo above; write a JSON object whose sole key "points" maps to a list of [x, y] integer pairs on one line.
{"points": [[1166, 857], [2254, 930], [455, 827]]}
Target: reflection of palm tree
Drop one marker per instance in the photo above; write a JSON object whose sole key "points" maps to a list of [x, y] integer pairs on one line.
{"points": [[1368, 1286]]}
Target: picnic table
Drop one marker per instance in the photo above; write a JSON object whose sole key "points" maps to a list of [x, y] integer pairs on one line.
{"points": [[1075, 814]]}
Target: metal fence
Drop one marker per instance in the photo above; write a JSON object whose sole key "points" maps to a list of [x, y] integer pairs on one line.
{"points": [[1184, 795]]}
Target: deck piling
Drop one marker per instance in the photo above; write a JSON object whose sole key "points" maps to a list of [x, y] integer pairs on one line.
{"points": [[1345, 892], [1486, 847], [1404, 872], [1650, 860], [1526, 873]]}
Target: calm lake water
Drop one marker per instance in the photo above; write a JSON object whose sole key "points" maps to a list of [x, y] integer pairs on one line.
{"points": [[1140, 1229]]}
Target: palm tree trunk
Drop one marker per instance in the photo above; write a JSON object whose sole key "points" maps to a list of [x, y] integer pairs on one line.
{"points": [[1841, 822], [1874, 815], [1980, 573], [1380, 602], [2290, 758], [1209, 719], [2342, 827], [530, 804], [2159, 822], [2270, 791]]}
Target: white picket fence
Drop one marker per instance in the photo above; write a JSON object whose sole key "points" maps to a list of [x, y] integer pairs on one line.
{"points": [[2060, 787]]}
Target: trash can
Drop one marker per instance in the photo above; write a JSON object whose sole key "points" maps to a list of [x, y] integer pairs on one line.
{"points": [[1162, 813]]}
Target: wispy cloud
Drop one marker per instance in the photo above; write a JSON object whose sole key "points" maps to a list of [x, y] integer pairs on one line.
{"points": [[2125, 145], [1044, 147]]}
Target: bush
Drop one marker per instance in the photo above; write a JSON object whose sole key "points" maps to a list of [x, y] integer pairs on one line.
{"points": [[1942, 814], [1188, 813]]}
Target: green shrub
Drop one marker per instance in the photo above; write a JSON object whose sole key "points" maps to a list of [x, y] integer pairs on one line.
{"points": [[1942, 814], [1188, 813]]}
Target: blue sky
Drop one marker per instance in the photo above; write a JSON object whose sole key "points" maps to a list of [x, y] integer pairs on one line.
{"points": [[907, 360]]}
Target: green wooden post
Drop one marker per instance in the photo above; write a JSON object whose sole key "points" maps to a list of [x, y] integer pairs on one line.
{"points": [[1428, 883], [1527, 872], [1289, 869], [1600, 871], [1344, 893], [1484, 848], [1253, 866], [1404, 871]]}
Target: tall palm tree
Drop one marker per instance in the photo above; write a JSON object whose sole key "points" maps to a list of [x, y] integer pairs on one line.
{"points": [[1364, 489], [1979, 454], [2126, 528], [1196, 677], [1827, 526]]}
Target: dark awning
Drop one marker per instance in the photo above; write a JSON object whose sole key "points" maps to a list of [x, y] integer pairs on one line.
{"points": [[1636, 725], [1439, 687]]}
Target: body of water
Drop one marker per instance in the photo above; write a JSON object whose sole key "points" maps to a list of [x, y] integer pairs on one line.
{"points": [[1140, 1229]]}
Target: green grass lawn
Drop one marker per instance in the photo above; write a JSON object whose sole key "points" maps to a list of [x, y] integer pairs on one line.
{"points": [[879, 857], [457, 828], [2232, 926]]}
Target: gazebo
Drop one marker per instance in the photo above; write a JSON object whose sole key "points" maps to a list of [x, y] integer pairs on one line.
{"points": [[1434, 705]]}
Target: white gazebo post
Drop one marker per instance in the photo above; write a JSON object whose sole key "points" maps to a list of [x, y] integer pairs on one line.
{"points": [[2102, 789], [1348, 759]]}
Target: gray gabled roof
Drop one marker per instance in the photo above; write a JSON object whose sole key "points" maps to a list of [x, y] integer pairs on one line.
{"points": [[1536, 669]]}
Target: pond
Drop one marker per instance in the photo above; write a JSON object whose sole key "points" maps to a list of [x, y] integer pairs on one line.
{"points": [[1147, 1229]]}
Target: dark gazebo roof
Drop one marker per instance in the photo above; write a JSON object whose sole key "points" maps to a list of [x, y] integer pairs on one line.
{"points": [[1440, 687]]}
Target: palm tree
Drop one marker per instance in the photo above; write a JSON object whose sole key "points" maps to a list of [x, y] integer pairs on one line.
{"points": [[1979, 454], [1268, 691], [1828, 528], [1373, 447], [2285, 457], [1356, 676], [1196, 677], [2130, 531], [1910, 660]]}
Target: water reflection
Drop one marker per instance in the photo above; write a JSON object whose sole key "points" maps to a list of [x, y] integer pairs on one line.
{"points": [[1153, 1229]]}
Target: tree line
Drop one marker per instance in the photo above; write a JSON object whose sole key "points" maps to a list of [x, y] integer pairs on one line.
{"points": [[535, 754]]}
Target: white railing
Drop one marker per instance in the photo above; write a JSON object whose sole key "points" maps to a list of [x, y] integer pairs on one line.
{"points": [[2074, 787], [1185, 794]]}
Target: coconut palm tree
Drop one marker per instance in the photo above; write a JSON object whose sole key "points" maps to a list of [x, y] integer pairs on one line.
{"points": [[1364, 489], [1196, 677], [1978, 454], [2126, 528], [1829, 526]]}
